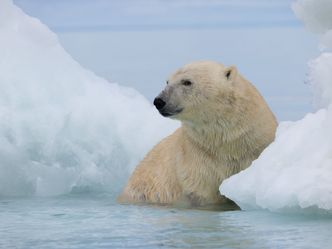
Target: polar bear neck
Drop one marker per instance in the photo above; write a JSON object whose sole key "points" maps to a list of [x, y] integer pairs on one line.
{"points": [[216, 130], [217, 140], [240, 132]]}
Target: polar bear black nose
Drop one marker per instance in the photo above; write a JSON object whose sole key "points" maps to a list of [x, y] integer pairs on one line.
{"points": [[159, 103]]}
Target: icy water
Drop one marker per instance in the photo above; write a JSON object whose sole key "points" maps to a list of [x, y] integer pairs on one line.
{"points": [[99, 222]]}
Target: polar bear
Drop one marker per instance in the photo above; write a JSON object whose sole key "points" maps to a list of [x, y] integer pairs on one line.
{"points": [[225, 125]]}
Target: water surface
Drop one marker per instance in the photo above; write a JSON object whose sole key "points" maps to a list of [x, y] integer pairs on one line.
{"points": [[78, 221]]}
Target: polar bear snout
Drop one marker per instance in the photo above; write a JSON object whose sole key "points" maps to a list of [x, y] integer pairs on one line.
{"points": [[165, 108], [159, 103]]}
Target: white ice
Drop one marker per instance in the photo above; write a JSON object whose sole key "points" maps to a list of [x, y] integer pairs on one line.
{"points": [[62, 128], [316, 16], [295, 171]]}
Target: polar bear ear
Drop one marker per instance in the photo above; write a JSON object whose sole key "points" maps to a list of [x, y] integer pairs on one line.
{"points": [[230, 73]]}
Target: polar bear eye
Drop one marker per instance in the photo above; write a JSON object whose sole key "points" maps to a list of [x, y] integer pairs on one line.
{"points": [[167, 82], [186, 82]]}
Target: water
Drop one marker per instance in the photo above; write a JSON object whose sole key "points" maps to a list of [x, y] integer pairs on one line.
{"points": [[97, 221]]}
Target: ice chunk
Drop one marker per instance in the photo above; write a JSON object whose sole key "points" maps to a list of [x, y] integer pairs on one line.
{"points": [[320, 78], [62, 128], [316, 16], [295, 171]]}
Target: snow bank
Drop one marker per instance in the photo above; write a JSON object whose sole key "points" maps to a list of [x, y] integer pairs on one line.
{"points": [[62, 128], [295, 171]]}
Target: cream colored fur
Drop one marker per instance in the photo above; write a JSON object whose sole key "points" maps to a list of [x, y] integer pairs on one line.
{"points": [[226, 124]]}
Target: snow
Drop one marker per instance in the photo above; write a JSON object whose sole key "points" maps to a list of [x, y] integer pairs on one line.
{"points": [[295, 171], [62, 128]]}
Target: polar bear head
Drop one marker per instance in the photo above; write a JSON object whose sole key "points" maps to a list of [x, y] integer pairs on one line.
{"points": [[203, 91]]}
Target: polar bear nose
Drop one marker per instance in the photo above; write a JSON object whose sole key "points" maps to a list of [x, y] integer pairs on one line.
{"points": [[159, 103]]}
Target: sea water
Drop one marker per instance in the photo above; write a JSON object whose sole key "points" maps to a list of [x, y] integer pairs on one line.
{"points": [[97, 221]]}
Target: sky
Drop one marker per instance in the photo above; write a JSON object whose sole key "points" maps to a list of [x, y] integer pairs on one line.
{"points": [[74, 15], [138, 43]]}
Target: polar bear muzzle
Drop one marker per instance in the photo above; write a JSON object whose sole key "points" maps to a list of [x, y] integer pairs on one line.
{"points": [[164, 109]]}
